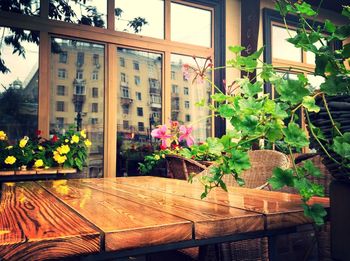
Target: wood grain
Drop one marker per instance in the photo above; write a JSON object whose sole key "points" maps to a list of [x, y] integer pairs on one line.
{"points": [[32, 220], [126, 224], [280, 209], [210, 220]]}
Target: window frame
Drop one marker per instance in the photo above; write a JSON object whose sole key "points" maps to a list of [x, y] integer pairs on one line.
{"points": [[112, 39]]}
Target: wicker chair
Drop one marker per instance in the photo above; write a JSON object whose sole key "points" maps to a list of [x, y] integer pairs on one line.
{"points": [[302, 245], [181, 168]]}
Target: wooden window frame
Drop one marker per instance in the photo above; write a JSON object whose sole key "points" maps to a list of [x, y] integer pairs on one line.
{"points": [[112, 39]]}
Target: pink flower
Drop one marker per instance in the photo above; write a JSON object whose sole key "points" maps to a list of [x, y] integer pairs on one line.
{"points": [[185, 134], [161, 133], [185, 71]]}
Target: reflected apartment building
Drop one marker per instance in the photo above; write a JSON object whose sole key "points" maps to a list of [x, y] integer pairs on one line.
{"points": [[77, 86]]}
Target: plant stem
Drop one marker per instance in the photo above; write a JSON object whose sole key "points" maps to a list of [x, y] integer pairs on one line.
{"points": [[318, 140], [330, 115]]}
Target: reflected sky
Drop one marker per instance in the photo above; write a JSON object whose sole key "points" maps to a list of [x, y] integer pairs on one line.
{"points": [[21, 68]]}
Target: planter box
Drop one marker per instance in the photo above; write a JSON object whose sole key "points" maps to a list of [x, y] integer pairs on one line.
{"points": [[49, 171]]}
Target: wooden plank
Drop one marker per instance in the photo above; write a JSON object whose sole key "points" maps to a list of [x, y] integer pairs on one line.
{"points": [[281, 209], [210, 220], [35, 226], [126, 224], [25, 172], [7, 172]]}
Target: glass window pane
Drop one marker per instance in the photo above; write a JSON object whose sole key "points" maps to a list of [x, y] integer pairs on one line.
{"points": [[310, 57], [88, 12], [186, 29], [184, 95], [281, 49], [140, 17], [139, 99], [28, 7], [315, 81], [81, 98], [19, 82]]}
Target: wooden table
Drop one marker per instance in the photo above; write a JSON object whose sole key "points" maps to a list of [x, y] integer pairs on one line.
{"points": [[133, 215]]}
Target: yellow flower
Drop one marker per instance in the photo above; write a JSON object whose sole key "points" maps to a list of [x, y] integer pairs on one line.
{"points": [[23, 142], [75, 139], [157, 157], [87, 143], [66, 140], [38, 163], [2, 135], [64, 149], [163, 156], [58, 158], [9, 147], [83, 133], [40, 147], [10, 160]]}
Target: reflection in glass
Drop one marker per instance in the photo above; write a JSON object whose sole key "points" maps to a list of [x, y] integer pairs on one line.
{"points": [[77, 98], [139, 99], [88, 12], [281, 49], [28, 7], [140, 17], [184, 95], [19, 82], [186, 29]]}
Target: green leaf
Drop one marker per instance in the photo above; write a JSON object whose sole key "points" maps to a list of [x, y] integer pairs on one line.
{"points": [[295, 136], [226, 111], [334, 85], [316, 212], [321, 61], [274, 132], [342, 32], [257, 54], [281, 178], [329, 26], [267, 72], [311, 169], [309, 104], [305, 9], [219, 97], [252, 89], [236, 49], [292, 91], [346, 11], [200, 103], [238, 161], [342, 145], [346, 51], [215, 146]]}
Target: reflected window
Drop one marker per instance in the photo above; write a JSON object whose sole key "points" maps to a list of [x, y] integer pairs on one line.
{"points": [[63, 57], [185, 29], [87, 12], [139, 103], [61, 90], [19, 82], [281, 49], [136, 66], [122, 62], [185, 94], [79, 107], [140, 20]]}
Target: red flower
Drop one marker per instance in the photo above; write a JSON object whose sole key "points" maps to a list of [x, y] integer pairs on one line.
{"points": [[174, 146], [38, 132], [163, 147], [54, 138]]}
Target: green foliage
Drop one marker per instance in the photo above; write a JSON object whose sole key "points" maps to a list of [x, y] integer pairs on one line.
{"points": [[295, 136]]}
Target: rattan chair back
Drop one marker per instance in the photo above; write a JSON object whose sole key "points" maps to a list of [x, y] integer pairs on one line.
{"points": [[181, 168]]}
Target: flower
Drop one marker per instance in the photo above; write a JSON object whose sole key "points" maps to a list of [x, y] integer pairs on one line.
{"points": [[2, 135], [75, 139], [185, 134], [157, 157], [161, 133], [10, 160], [64, 149], [54, 138], [38, 132], [83, 133], [58, 158], [39, 163], [9, 147], [87, 143], [40, 147], [23, 142]]}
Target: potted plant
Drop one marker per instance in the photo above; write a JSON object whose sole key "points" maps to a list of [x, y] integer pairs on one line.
{"points": [[256, 116]]}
